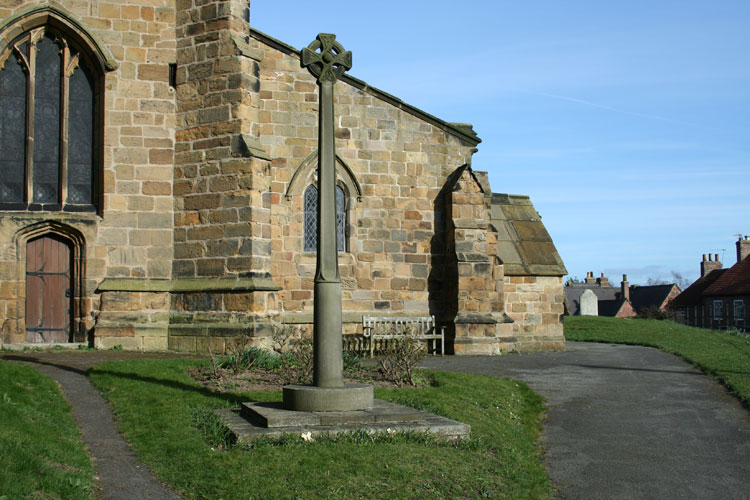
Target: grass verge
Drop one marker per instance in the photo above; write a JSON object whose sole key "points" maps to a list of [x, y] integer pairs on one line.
{"points": [[160, 409], [41, 451], [721, 354]]}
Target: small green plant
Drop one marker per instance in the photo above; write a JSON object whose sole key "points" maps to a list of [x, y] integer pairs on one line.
{"points": [[252, 357], [213, 428], [237, 347], [117, 347]]}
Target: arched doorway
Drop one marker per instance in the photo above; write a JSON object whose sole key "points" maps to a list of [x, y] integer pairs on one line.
{"points": [[49, 293]]}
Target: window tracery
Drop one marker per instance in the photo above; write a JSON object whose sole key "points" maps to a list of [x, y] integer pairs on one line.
{"points": [[310, 223], [47, 124]]}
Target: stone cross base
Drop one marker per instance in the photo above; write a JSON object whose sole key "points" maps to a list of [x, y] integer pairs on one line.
{"points": [[271, 420], [350, 397]]}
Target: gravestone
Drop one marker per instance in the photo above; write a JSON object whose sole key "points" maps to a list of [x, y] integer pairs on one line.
{"points": [[589, 304]]}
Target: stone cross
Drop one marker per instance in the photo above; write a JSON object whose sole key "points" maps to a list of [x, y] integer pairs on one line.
{"points": [[327, 65], [327, 60]]}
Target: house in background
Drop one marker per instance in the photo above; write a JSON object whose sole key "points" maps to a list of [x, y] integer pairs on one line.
{"points": [[719, 298], [626, 301]]}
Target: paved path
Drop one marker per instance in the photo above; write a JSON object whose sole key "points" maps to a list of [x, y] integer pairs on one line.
{"points": [[630, 422], [121, 475]]}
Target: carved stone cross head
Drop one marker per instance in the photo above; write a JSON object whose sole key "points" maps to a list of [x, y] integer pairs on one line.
{"points": [[326, 58]]}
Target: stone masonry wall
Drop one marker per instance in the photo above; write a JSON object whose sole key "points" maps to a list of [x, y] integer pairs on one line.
{"points": [[222, 201], [535, 304], [472, 245], [392, 166], [131, 236]]}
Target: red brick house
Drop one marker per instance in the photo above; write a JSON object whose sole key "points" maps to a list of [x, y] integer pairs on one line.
{"points": [[719, 298]]}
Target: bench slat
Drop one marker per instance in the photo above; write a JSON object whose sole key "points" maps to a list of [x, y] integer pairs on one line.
{"points": [[390, 327]]}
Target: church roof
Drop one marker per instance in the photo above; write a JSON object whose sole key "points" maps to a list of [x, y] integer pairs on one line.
{"points": [[523, 243]]}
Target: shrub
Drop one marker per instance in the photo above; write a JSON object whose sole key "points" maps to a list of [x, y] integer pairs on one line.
{"points": [[399, 363], [295, 354], [654, 312]]}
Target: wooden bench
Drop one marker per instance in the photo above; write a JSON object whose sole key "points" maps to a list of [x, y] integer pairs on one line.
{"points": [[421, 328]]}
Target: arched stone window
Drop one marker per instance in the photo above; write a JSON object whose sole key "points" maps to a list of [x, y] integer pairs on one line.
{"points": [[311, 219], [50, 122]]}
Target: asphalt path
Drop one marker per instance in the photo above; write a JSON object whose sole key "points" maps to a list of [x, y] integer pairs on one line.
{"points": [[629, 422]]}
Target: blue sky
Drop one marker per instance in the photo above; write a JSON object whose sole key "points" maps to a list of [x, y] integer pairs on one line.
{"points": [[628, 123]]}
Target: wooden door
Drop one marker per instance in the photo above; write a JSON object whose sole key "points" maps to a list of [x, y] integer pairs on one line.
{"points": [[48, 290]]}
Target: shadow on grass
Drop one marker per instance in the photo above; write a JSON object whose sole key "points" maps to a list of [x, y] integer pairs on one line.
{"points": [[229, 397], [233, 398]]}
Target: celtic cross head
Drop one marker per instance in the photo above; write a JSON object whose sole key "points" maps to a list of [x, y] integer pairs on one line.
{"points": [[326, 58]]}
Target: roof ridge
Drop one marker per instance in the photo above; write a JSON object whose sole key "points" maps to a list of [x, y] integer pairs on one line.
{"points": [[463, 131]]}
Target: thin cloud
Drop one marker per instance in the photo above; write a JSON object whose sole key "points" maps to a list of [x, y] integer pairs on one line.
{"points": [[614, 110]]}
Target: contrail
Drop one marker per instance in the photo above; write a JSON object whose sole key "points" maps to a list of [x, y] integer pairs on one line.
{"points": [[609, 108]]}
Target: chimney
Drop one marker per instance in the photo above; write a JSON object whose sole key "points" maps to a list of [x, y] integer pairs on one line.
{"points": [[625, 287], [590, 278], [709, 265], [602, 281], [743, 248]]}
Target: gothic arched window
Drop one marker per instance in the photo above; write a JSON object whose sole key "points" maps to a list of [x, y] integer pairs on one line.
{"points": [[48, 122], [311, 219]]}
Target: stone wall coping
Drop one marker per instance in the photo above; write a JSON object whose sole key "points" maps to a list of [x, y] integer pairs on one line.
{"points": [[255, 284], [461, 130], [513, 269]]}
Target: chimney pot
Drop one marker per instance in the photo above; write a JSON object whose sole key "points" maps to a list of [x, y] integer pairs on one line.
{"points": [[743, 248], [710, 264], [625, 287]]}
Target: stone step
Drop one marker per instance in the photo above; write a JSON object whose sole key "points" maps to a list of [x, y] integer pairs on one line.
{"points": [[256, 420]]}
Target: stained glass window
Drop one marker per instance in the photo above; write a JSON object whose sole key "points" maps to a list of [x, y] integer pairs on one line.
{"points": [[80, 139], [12, 132], [311, 219], [47, 132], [47, 122]]}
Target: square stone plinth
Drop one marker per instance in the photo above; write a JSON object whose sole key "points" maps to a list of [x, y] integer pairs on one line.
{"points": [[256, 420]]}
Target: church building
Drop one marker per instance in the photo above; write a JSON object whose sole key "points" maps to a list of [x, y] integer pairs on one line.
{"points": [[158, 190]]}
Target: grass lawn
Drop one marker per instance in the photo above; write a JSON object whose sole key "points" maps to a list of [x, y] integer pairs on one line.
{"points": [[157, 405], [725, 356], [41, 452]]}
